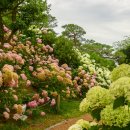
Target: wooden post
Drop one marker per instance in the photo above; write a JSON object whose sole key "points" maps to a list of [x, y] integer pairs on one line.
{"points": [[58, 103]]}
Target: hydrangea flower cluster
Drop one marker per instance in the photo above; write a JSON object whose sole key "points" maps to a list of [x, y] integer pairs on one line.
{"points": [[120, 71], [119, 117], [90, 74], [82, 124], [97, 97], [121, 88]]}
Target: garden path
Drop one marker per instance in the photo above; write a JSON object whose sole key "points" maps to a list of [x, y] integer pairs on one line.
{"points": [[64, 125]]}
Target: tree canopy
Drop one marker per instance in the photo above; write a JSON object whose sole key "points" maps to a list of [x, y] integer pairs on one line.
{"points": [[74, 33], [21, 14]]}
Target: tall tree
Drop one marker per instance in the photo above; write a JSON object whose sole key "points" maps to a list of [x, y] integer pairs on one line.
{"points": [[122, 53], [7, 7], [101, 53], [74, 33], [21, 14], [103, 50]]}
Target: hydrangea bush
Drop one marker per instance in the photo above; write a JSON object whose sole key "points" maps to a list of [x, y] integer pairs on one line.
{"points": [[90, 74], [30, 77], [110, 107], [120, 71], [83, 125], [97, 97]]}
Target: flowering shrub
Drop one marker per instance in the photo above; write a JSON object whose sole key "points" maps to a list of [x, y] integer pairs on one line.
{"points": [[30, 77], [118, 117], [102, 73], [110, 106], [120, 71], [97, 97], [90, 74], [121, 88], [83, 124]]}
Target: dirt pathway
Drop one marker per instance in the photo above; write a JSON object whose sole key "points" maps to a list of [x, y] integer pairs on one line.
{"points": [[67, 123]]}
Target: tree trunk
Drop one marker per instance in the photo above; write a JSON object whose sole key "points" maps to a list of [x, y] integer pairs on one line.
{"points": [[1, 29], [14, 13], [75, 40]]}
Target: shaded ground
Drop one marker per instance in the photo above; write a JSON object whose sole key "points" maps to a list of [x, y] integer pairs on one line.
{"points": [[67, 123]]}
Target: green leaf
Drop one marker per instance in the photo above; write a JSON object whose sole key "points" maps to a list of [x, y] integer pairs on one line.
{"points": [[119, 102], [96, 113], [94, 127]]}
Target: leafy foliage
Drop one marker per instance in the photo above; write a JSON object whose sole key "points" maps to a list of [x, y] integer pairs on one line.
{"points": [[74, 33], [119, 102], [21, 14], [101, 53], [65, 53], [122, 54]]}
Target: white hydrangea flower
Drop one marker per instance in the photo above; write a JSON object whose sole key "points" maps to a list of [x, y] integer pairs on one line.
{"points": [[75, 127], [83, 123], [121, 87], [97, 97]]}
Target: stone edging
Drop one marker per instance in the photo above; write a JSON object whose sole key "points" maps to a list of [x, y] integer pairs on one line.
{"points": [[60, 123]]}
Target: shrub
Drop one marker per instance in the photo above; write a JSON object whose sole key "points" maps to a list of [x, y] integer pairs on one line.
{"points": [[119, 117], [64, 51], [97, 97], [120, 71], [121, 88], [110, 106]]}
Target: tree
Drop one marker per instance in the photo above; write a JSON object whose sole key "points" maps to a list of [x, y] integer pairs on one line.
{"points": [[101, 53], [7, 7], [122, 53], [21, 14], [103, 50], [74, 33], [120, 57], [64, 51]]}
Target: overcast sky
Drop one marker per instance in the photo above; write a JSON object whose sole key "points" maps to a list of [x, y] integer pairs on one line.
{"points": [[104, 21]]}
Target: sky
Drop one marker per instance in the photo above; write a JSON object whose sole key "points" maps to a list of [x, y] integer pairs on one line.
{"points": [[104, 21]]}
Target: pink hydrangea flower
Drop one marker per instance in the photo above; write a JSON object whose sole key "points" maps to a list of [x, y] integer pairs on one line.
{"points": [[8, 67], [51, 50], [7, 45], [16, 117], [68, 76], [30, 68], [28, 83], [53, 102], [32, 104], [42, 113], [92, 84], [5, 29], [6, 115], [12, 83], [47, 99], [41, 100], [7, 109], [44, 93], [23, 76], [28, 42], [44, 49], [39, 40], [15, 38], [15, 97]]}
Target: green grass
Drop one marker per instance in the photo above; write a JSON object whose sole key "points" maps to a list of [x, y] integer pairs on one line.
{"points": [[69, 109]]}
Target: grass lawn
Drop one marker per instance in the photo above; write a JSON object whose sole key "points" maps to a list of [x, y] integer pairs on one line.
{"points": [[69, 109]]}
